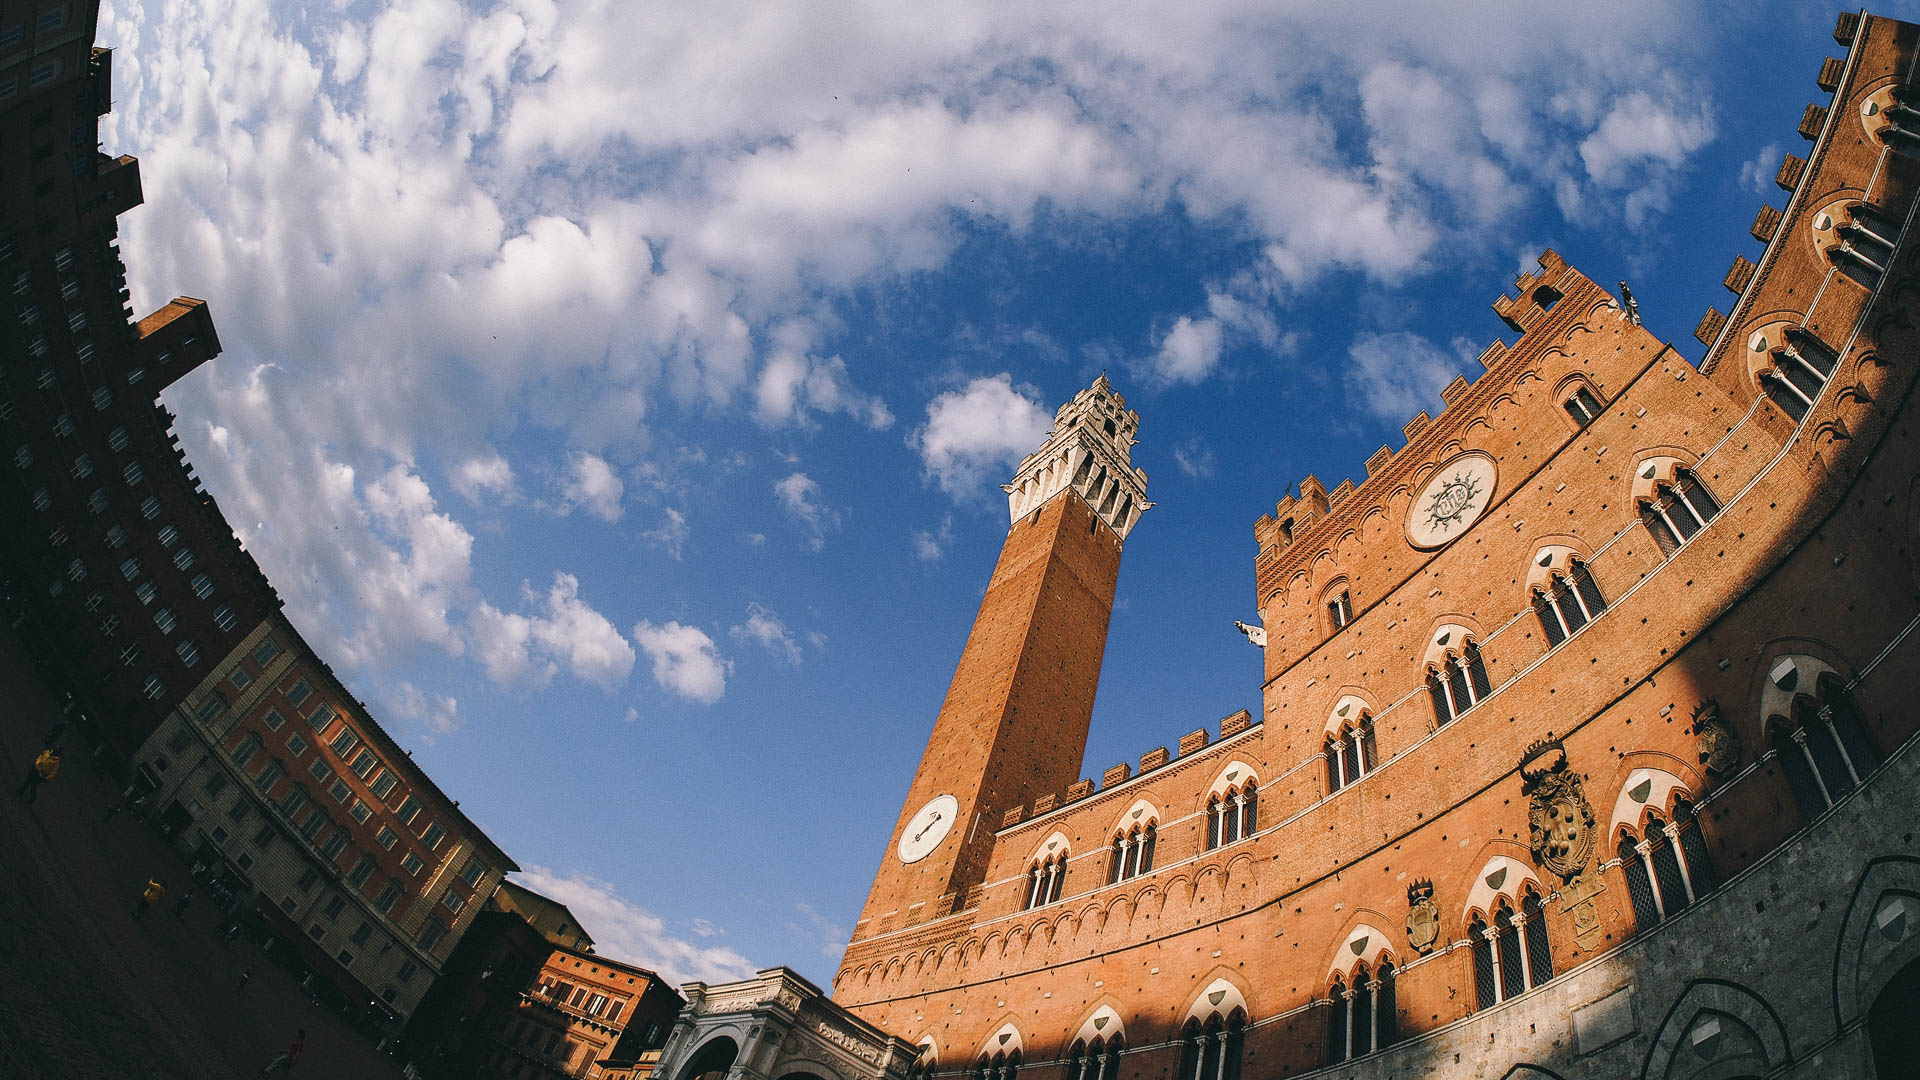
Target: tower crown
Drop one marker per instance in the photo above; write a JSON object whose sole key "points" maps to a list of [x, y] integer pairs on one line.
{"points": [[1088, 450]]}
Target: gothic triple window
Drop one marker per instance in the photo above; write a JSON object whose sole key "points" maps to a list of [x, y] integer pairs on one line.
{"points": [[1457, 682], [923, 1065], [1513, 955], [1045, 879], [1567, 602], [1802, 364], [1363, 1017], [1212, 1051], [1678, 510], [1233, 814], [997, 1067], [1823, 746], [1350, 753], [1666, 866], [1132, 854], [1099, 1060]]}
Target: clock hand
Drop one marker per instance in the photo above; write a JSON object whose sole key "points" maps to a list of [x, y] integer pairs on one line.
{"points": [[931, 822]]}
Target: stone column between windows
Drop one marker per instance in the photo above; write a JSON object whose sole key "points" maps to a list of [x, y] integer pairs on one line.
{"points": [[1672, 830], [1800, 736], [1645, 848]]}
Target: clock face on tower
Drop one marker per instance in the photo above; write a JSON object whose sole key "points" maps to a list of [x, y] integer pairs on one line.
{"points": [[927, 828]]}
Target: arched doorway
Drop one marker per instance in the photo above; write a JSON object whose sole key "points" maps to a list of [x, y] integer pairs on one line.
{"points": [[712, 1061], [1890, 1027]]}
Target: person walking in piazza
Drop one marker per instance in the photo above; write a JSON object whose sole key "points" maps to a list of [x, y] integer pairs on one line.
{"points": [[149, 896], [44, 768], [246, 975], [289, 1057]]}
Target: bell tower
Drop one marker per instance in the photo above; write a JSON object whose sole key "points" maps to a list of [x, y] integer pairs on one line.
{"points": [[1014, 723]]}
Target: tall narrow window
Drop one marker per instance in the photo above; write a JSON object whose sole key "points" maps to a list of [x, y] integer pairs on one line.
{"points": [[1513, 955], [1233, 814], [1350, 753], [1340, 609], [1824, 749], [1045, 879]]}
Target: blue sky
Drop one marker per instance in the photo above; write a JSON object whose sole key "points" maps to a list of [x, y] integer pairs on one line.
{"points": [[617, 394]]}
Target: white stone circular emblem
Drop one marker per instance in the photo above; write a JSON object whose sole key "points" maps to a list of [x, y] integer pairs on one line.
{"points": [[1457, 493], [927, 827]]}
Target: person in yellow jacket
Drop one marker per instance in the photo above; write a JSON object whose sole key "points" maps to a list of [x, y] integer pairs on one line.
{"points": [[44, 768], [149, 896]]}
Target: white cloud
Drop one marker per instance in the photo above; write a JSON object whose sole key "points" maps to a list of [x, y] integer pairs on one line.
{"points": [[591, 484], [484, 478], [765, 627], [794, 382], [1757, 175], [685, 662], [437, 713], [930, 545], [1189, 351], [986, 425], [624, 931], [1194, 457], [800, 494], [1639, 148], [1399, 374], [524, 652], [672, 532]]}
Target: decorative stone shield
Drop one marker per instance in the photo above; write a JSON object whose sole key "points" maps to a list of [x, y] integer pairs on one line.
{"points": [[1718, 743], [1423, 917], [1560, 819]]}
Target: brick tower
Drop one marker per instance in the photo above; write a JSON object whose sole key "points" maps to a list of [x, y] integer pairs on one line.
{"points": [[1014, 724]]}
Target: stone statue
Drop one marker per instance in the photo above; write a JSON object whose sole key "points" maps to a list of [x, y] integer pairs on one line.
{"points": [[1255, 634], [1628, 305]]}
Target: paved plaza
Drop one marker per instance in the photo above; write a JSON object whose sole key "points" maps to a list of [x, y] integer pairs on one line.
{"points": [[86, 991]]}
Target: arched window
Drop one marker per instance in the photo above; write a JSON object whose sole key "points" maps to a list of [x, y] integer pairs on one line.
{"points": [[1582, 405], [997, 1067], [1044, 880], [1513, 955], [1824, 747], [924, 1064], [1233, 814], [1678, 510], [1350, 753], [1100, 1061], [1567, 602], [1212, 1051], [1801, 365], [1457, 683], [1132, 853], [1362, 1018]]}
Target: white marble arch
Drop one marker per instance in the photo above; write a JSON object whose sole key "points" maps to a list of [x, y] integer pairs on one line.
{"points": [[1503, 875], [1233, 775], [1347, 710], [1051, 846], [1790, 675], [1101, 1023], [1644, 788], [1366, 944], [1447, 637], [1221, 996], [1004, 1040], [1139, 814]]}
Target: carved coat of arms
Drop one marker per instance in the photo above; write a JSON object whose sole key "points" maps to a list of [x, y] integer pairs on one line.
{"points": [[1423, 917], [1559, 819], [1719, 744], [1452, 501]]}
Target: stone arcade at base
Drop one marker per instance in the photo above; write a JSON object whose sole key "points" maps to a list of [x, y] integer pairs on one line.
{"points": [[1585, 743]]}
